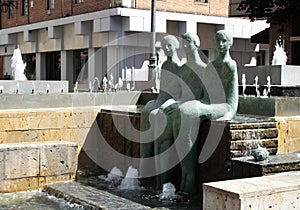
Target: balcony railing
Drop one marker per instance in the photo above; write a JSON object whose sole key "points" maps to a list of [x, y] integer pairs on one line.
{"points": [[122, 3]]}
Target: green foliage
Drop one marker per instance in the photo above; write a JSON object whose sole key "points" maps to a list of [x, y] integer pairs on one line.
{"points": [[275, 10]]}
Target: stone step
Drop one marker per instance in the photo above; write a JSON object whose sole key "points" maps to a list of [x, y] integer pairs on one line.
{"points": [[246, 144], [259, 125], [90, 197], [240, 153], [254, 133]]}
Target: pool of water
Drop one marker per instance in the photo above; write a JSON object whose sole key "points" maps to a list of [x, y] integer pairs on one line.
{"points": [[147, 196], [34, 201]]}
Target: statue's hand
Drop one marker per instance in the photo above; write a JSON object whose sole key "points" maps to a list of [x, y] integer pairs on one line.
{"points": [[226, 117]]}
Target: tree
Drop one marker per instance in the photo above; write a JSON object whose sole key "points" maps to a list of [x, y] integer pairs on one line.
{"points": [[273, 10]]}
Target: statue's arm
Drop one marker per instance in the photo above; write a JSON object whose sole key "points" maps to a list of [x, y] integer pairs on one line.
{"points": [[232, 90]]}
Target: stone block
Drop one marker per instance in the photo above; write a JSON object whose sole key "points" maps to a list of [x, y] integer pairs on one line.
{"points": [[78, 119], [22, 184], [1, 165], [58, 158], [59, 178], [17, 136], [280, 191], [44, 120], [21, 162], [2, 137], [45, 135], [16, 123]]}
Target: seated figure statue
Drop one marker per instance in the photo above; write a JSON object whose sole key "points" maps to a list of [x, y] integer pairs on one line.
{"points": [[215, 97], [155, 137]]}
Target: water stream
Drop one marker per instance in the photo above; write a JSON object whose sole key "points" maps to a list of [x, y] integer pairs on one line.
{"points": [[35, 200]]}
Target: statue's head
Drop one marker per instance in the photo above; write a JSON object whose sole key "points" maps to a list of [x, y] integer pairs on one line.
{"points": [[224, 40], [224, 35], [190, 42], [170, 44]]}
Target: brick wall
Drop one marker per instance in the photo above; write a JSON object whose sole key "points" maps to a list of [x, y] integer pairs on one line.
{"points": [[213, 7], [38, 11]]}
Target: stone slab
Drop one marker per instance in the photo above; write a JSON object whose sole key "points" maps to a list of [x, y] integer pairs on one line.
{"points": [[280, 191], [90, 197]]}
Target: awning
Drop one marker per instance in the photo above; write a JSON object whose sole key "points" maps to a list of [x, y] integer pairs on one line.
{"points": [[261, 37]]}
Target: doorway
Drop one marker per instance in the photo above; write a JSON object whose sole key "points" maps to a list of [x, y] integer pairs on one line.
{"points": [[53, 66]]}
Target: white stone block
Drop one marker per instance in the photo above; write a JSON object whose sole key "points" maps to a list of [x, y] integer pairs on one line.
{"points": [[280, 191]]}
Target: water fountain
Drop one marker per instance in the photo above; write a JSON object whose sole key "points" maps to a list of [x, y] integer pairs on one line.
{"points": [[17, 65], [279, 57], [244, 83]]}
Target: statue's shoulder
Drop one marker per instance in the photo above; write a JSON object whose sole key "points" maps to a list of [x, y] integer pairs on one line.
{"points": [[231, 64]]}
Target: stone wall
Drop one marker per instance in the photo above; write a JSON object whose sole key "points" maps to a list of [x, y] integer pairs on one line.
{"points": [[41, 146], [30, 166], [42, 125], [288, 134]]}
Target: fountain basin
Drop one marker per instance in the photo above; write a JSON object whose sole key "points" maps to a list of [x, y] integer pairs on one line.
{"points": [[285, 75], [63, 100], [269, 107], [33, 86]]}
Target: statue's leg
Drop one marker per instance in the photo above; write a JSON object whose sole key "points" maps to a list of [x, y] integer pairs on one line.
{"points": [[187, 128], [146, 144], [163, 156]]}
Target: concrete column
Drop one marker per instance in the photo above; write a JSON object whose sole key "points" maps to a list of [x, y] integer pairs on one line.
{"points": [[91, 64], [40, 66], [67, 70]]}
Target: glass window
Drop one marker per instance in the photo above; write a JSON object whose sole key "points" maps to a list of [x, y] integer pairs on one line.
{"points": [[49, 4], [10, 11], [77, 1], [24, 7], [203, 1]]}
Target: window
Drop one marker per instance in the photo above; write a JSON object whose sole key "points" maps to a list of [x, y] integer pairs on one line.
{"points": [[77, 1], [49, 4], [10, 11], [24, 7], [203, 1]]}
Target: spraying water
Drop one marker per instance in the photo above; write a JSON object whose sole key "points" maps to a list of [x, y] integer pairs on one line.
{"points": [[131, 182], [279, 57], [17, 65]]}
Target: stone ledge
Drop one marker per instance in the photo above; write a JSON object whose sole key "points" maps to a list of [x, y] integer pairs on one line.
{"points": [[280, 191], [29, 166], [91, 198]]}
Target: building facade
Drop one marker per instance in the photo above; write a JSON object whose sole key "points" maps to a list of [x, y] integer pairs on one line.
{"points": [[78, 40]]}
